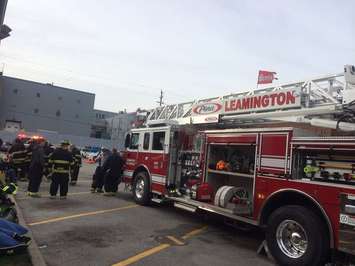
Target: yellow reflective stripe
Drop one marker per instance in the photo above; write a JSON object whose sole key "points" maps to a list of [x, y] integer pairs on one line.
{"points": [[61, 171], [21, 160], [61, 162], [18, 152]]}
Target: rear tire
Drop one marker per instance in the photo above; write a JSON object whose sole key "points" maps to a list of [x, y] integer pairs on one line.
{"points": [[141, 189], [296, 236]]}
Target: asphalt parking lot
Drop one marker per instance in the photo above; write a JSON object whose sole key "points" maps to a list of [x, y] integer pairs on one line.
{"points": [[95, 230]]}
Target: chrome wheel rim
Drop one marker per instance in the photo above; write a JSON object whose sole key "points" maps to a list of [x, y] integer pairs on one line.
{"points": [[292, 239], [140, 188]]}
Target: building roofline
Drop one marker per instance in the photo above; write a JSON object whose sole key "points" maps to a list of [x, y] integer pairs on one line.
{"points": [[100, 110], [48, 84]]}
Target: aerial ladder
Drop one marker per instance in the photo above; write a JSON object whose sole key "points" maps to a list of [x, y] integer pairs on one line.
{"points": [[327, 101]]}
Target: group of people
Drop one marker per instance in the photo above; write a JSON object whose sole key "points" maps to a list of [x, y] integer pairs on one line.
{"points": [[108, 173], [41, 159], [61, 166]]}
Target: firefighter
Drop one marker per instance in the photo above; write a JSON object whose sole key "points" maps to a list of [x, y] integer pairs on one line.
{"points": [[112, 170], [60, 161], [28, 159], [35, 171], [77, 164], [48, 150], [18, 157]]}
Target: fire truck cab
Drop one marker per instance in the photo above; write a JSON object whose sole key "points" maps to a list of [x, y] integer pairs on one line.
{"points": [[298, 183]]}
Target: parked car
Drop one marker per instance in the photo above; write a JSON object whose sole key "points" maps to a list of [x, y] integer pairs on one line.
{"points": [[90, 152]]}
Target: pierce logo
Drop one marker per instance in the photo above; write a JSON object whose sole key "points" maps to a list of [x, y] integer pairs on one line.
{"points": [[207, 108]]}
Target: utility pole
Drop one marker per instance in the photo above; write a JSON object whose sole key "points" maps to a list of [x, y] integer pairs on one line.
{"points": [[161, 98]]}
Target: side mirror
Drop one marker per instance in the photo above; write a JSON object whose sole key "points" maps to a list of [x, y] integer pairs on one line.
{"points": [[127, 141]]}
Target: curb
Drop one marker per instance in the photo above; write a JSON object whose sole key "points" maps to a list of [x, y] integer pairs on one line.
{"points": [[35, 254]]}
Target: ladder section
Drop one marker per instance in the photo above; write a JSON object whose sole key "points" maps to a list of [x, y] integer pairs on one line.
{"points": [[296, 101]]}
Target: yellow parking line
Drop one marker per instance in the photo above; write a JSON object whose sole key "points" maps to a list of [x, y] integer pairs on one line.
{"points": [[142, 255], [157, 249], [58, 219], [175, 240], [47, 196], [194, 232]]}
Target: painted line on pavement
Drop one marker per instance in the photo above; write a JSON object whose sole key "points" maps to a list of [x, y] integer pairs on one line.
{"points": [[47, 196], [59, 219], [157, 249], [195, 232], [142, 255], [175, 240]]}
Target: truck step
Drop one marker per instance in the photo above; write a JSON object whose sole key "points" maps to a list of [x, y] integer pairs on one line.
{"points": [[157, 200], [185, 207]]}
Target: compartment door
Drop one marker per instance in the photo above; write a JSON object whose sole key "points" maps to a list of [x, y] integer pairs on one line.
{"points": [[159, 156], [347, 223], [274, 153]]}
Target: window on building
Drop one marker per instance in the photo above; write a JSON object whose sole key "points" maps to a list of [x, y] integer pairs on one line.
{"points": [[158, 141], [134, 141], [76, 116], [78, 100], [103, 116], [57, 113], [15, 91], [60, 98], [146, 141], [38, 95], [36, 110]]}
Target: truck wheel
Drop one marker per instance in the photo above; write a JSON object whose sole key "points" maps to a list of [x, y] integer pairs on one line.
{"points": [[296, 236], [141, 189]]}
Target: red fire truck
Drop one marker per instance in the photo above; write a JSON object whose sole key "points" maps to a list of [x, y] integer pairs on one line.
{"points": [[282, 158]]}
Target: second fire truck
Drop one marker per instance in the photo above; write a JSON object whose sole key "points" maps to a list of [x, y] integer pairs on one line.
{"points": [[282, 158]]}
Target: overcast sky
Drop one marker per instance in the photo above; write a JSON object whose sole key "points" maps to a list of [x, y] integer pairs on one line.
{"points": [[126, 51]]}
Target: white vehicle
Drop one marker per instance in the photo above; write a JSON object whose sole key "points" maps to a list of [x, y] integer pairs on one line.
{"points": [[90, 152]]}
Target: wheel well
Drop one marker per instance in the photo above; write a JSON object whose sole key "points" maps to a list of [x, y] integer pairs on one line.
{"points": [[139, 169], [295, 198]]}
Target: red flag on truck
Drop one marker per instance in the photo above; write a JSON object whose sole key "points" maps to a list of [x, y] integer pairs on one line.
{"points": [[265, 77]]}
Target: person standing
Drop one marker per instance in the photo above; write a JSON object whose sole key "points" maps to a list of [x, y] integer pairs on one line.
{"points": [[60, 161], [28, 159], [35, 171], [98, 177], [112, 170], [18, 156], [77, 164], [48, 150]]}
